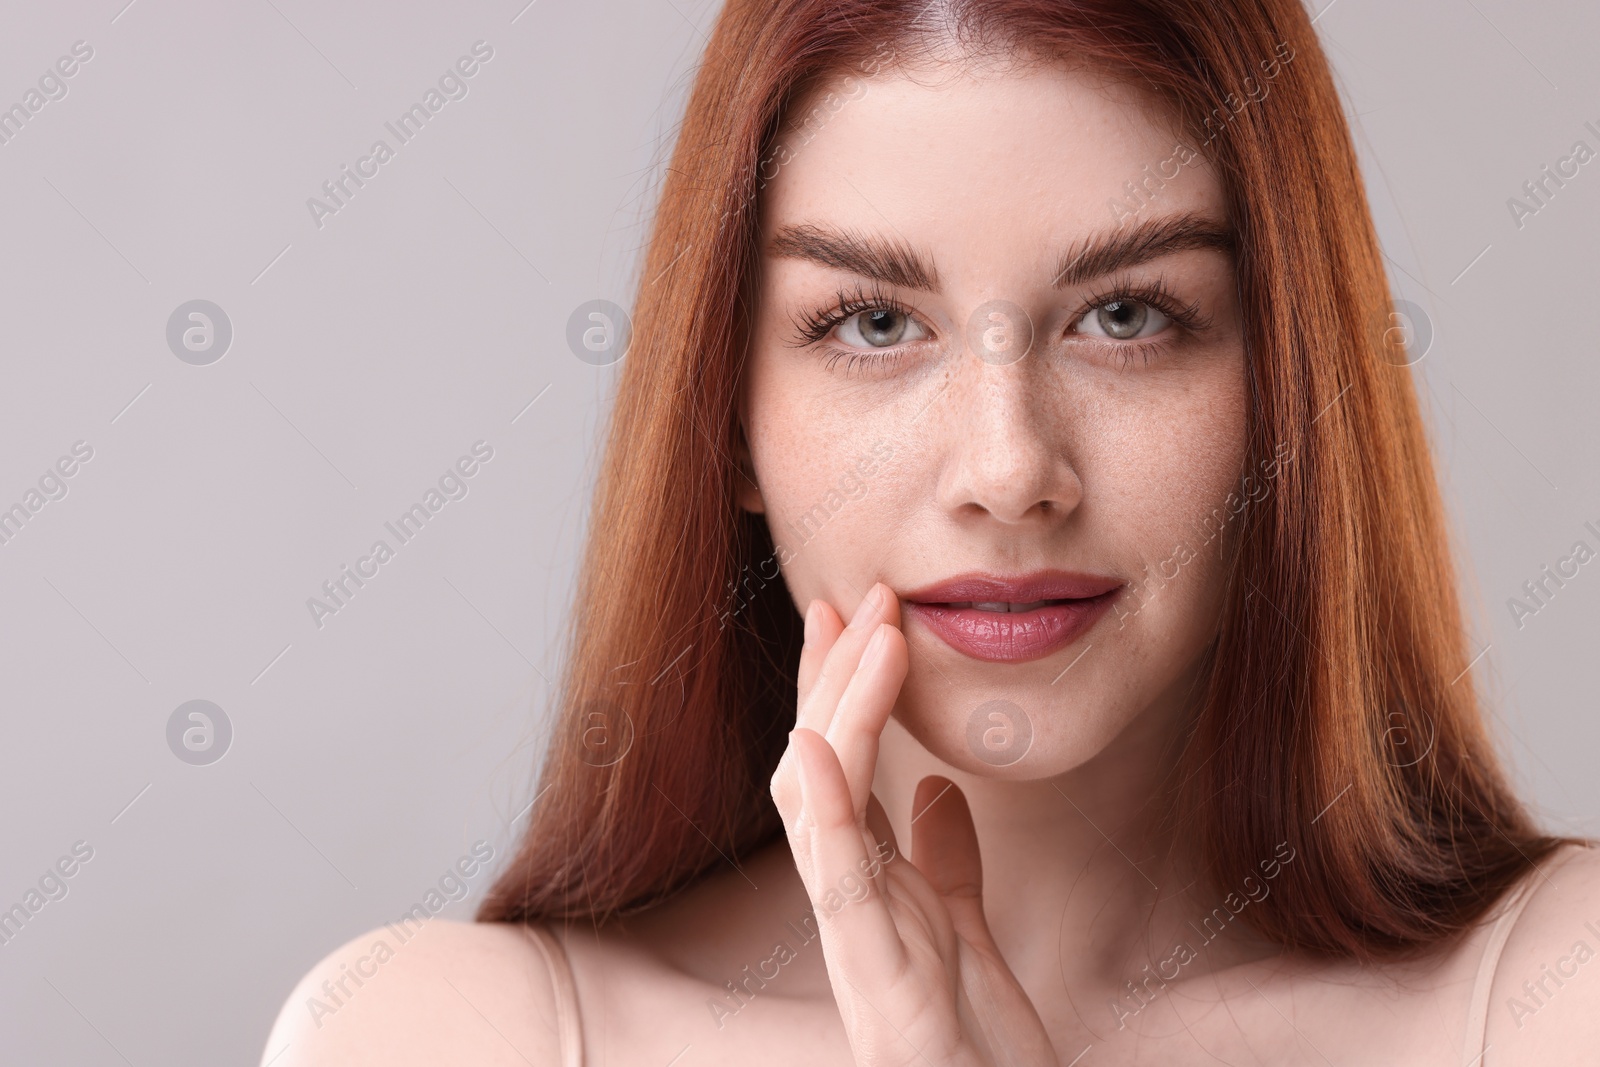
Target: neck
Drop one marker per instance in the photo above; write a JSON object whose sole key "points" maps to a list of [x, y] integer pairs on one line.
{"points": [[1084, 886]]}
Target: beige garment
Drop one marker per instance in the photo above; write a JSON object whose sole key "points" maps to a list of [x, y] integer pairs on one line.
{"points": [[568, 1025], [1494, 944], [571, 1030]]}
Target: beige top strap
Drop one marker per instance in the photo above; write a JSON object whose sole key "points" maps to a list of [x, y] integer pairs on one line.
{"points": [[1478, 1015], [568, 1027]]}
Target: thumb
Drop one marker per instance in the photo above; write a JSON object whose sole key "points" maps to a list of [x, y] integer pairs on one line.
{"points": [[944, 847]]}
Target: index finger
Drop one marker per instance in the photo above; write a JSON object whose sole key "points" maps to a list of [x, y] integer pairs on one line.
{"points": [[823, 627]]}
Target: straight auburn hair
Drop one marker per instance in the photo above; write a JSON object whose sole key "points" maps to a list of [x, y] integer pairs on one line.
{"points": [[1339, 714]]}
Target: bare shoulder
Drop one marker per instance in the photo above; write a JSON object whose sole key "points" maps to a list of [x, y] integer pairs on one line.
{"points": [[1544, 1005], [442, 992]]}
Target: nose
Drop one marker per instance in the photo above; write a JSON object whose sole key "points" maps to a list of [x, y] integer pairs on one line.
{"points": [[1008, 446]]}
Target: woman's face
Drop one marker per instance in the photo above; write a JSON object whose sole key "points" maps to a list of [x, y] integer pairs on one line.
{"points": [[997, 341]]}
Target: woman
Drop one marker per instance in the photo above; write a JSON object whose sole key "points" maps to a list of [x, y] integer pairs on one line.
{"points": [[1047, 344]]}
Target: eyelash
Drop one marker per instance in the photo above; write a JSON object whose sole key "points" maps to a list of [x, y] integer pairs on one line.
{"points": [[814, 326], [1188, 318]]}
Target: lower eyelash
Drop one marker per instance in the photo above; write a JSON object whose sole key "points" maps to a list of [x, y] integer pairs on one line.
{"points": [[1143, 351], [1185, 318], [855, 358]]}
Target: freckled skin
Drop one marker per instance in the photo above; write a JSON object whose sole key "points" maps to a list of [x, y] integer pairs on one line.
{"points": [[1071, 457], [1065, 458]]}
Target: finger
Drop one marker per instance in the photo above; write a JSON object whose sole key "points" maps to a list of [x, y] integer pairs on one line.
{"points": [[859, 934], [944, 847], [840, 655], [816, 711], [823, 627], [864, 709], [881, 841]]}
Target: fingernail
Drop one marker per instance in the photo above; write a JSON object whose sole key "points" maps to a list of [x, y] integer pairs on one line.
{"points": [[865, 609], [875, 647], [811, 622]]}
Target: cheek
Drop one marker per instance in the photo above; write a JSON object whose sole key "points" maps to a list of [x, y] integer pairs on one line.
{"points": [[1175, 463], [826, 472], [1172, 472]]}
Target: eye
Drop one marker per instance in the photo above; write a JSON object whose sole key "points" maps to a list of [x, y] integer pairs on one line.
{"points": [[879, 328], [1132, 318], [864, 323], [1123, 319]]}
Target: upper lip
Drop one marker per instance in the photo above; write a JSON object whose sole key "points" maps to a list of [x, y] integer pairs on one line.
{"points": [[980, 587]]}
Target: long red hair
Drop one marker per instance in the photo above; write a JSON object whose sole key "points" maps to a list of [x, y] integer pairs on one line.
{"points": [[1340, 715]]}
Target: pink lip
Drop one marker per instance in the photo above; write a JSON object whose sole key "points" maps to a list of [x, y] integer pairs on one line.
{"points": [[1013, 637]]}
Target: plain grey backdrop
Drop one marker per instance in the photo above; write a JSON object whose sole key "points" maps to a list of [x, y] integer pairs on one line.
{"points": [[372, 347]]}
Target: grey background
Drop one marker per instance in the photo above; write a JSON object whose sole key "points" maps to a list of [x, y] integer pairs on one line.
{"points": [[369, 354]]}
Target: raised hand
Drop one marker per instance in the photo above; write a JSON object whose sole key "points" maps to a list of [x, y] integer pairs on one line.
{"points": [[914, 969]]}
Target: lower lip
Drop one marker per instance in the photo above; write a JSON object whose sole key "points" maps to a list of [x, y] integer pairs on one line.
{"points": [[1013, 636]]}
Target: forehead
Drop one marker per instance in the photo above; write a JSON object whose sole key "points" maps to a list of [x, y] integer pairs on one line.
{"points": [[956, 157]]}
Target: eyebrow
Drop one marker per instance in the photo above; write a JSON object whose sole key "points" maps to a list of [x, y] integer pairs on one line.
{"points": [[893, 262], [897, 263], [1127, 246]]}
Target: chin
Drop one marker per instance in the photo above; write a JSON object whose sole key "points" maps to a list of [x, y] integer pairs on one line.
{"points": [[1020, 733]]}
